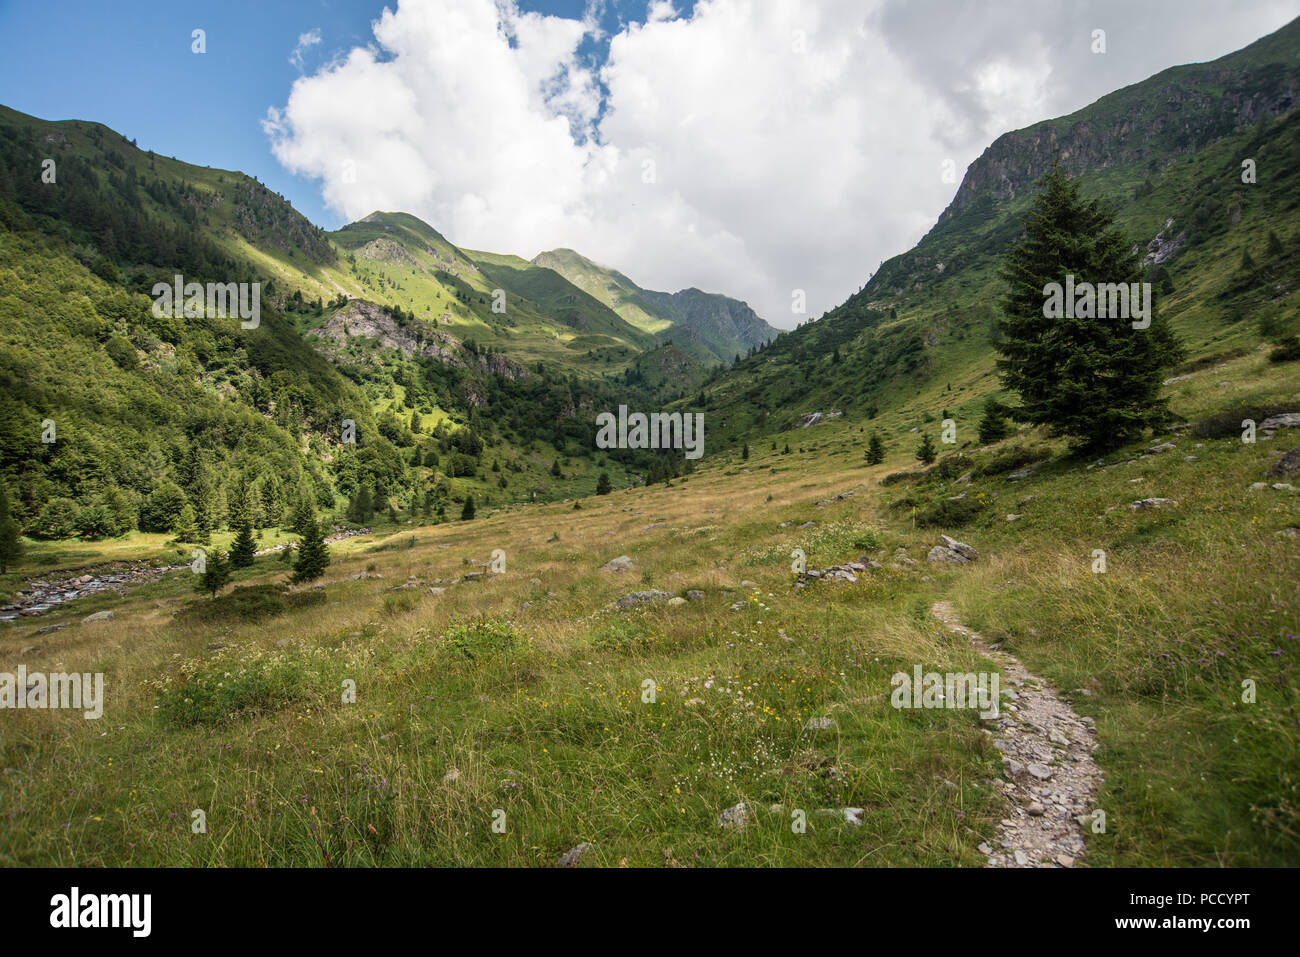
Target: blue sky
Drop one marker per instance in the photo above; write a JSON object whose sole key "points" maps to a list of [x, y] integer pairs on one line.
{"points": [[128, 64]]}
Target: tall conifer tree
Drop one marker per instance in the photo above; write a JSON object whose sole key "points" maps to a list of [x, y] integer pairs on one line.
{"points": [[1096, 380], [313, 555]]}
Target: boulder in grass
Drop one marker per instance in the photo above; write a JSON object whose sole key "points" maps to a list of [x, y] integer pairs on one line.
{"points": [[1287, 465], [632, 599], [939, 555], [572, 856], [851, 815], [621, 564], [1144, 504], [1287, 420], [961, 548], [736, 816]]}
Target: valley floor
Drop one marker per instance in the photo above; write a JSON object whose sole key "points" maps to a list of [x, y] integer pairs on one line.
{"points": [[511, 717]]}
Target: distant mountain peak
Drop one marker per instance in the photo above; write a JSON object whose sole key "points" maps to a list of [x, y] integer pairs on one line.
{"points": [[711, 326]]}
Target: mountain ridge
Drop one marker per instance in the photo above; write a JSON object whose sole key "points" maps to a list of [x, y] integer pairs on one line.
{"points": [[930, 311], [1227, 93], [718, 325]]}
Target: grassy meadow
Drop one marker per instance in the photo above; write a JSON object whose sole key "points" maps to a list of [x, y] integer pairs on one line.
{"points": [[523, 698]]}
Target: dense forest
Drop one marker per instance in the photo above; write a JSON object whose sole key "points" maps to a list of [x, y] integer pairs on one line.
{"points": [[114, 419]]}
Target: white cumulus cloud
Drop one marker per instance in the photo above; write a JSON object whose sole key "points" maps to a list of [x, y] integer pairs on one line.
{"points": [[752, 147]]}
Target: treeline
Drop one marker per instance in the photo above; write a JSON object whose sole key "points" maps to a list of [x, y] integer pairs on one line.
{"points": [[504, 418], [107, 411], [114, 419], [111, 213]]}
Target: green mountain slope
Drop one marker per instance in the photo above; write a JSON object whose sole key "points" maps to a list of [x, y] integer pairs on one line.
{"points": [[551, 294], [924, 322], [608, 285], [710, 327], [135, 205], [153, 414], [397, 260]]}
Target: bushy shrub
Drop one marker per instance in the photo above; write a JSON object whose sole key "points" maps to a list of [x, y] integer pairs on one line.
{"points": [[1011, 458], [122, 352], [462, 465], [1286, 351], [949, 513], [951, 466], [96, 521], [162, 507], [1227, 424], [248, 603], [482, 639], [893, 478], [620, 636], [58, 519], [215, 695]]}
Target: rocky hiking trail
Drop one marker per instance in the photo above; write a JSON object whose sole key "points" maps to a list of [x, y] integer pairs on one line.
{"points": [[1047, 753]]}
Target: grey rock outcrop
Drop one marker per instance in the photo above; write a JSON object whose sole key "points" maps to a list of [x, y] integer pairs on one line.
{"points": [[633, 599]]}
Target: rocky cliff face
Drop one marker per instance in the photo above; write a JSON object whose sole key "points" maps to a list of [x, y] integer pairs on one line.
{"points": [[386, 250], [1146, 127], [720, 321], [497, 364], [361, 318], [1164, 247]]}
